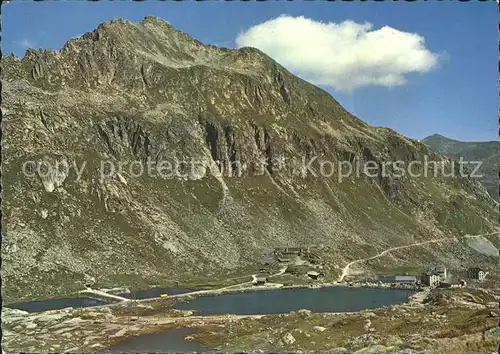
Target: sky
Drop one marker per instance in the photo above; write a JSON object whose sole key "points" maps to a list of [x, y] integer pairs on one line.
{"points": [[419, 68]]}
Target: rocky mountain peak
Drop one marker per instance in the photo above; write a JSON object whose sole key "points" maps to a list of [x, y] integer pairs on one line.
{"points": [[435, 136], [120, 52]]}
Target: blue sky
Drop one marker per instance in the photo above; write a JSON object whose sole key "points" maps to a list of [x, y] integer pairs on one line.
{"points": [[458, 98]]}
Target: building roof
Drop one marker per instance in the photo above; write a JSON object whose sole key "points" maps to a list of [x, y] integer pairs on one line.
{"points": [[476, 269], [440, 269], [437, 270], [405, 278]]}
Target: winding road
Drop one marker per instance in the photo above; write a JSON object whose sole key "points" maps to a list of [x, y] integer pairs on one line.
{"points": [[240, 286], [254, 279], [345, 271]]}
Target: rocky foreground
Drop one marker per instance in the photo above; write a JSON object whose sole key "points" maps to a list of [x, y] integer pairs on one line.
{"points": [[438, 321]]}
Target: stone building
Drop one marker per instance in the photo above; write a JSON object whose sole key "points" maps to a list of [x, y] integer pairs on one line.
{"points": [[441, 271], [476, 273], [431, 278], [260, 280], [408, 280]]}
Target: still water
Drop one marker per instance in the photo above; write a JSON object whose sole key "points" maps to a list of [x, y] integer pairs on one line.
{"points": [[76, 302], [55, 304], [332, 299], [171, 341]]}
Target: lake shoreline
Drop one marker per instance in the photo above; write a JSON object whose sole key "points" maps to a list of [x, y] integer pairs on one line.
{"points": [[162, 317], [201, 320], [99, 328], [218, 292]]}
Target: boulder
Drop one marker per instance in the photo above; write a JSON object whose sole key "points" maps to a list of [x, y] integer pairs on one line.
{"points": [[369, 315], [31, 325], [304, 312], [288, 339], [319, 328], [7, 311]]}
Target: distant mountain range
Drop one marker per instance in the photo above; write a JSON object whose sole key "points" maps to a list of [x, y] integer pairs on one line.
{"points": [[487, 152]]}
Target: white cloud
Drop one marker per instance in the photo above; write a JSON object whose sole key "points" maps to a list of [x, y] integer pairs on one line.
{"points": [[26, 43], [345, 55]]}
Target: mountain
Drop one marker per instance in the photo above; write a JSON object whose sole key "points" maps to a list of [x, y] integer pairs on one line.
{"points": [[487, 152], [137, 93]]}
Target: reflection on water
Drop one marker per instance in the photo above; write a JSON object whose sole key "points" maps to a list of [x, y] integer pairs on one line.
{"points": [[171, 341]]}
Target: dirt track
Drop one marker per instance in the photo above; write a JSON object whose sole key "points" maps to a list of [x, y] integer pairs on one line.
{"points": [[345, 271]]}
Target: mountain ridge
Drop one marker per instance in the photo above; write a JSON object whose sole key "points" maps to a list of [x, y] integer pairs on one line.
{"points": [[487, 152], [437, 136]]}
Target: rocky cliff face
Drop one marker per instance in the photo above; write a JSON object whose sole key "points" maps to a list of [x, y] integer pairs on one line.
{"points": [[234, 127]]}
